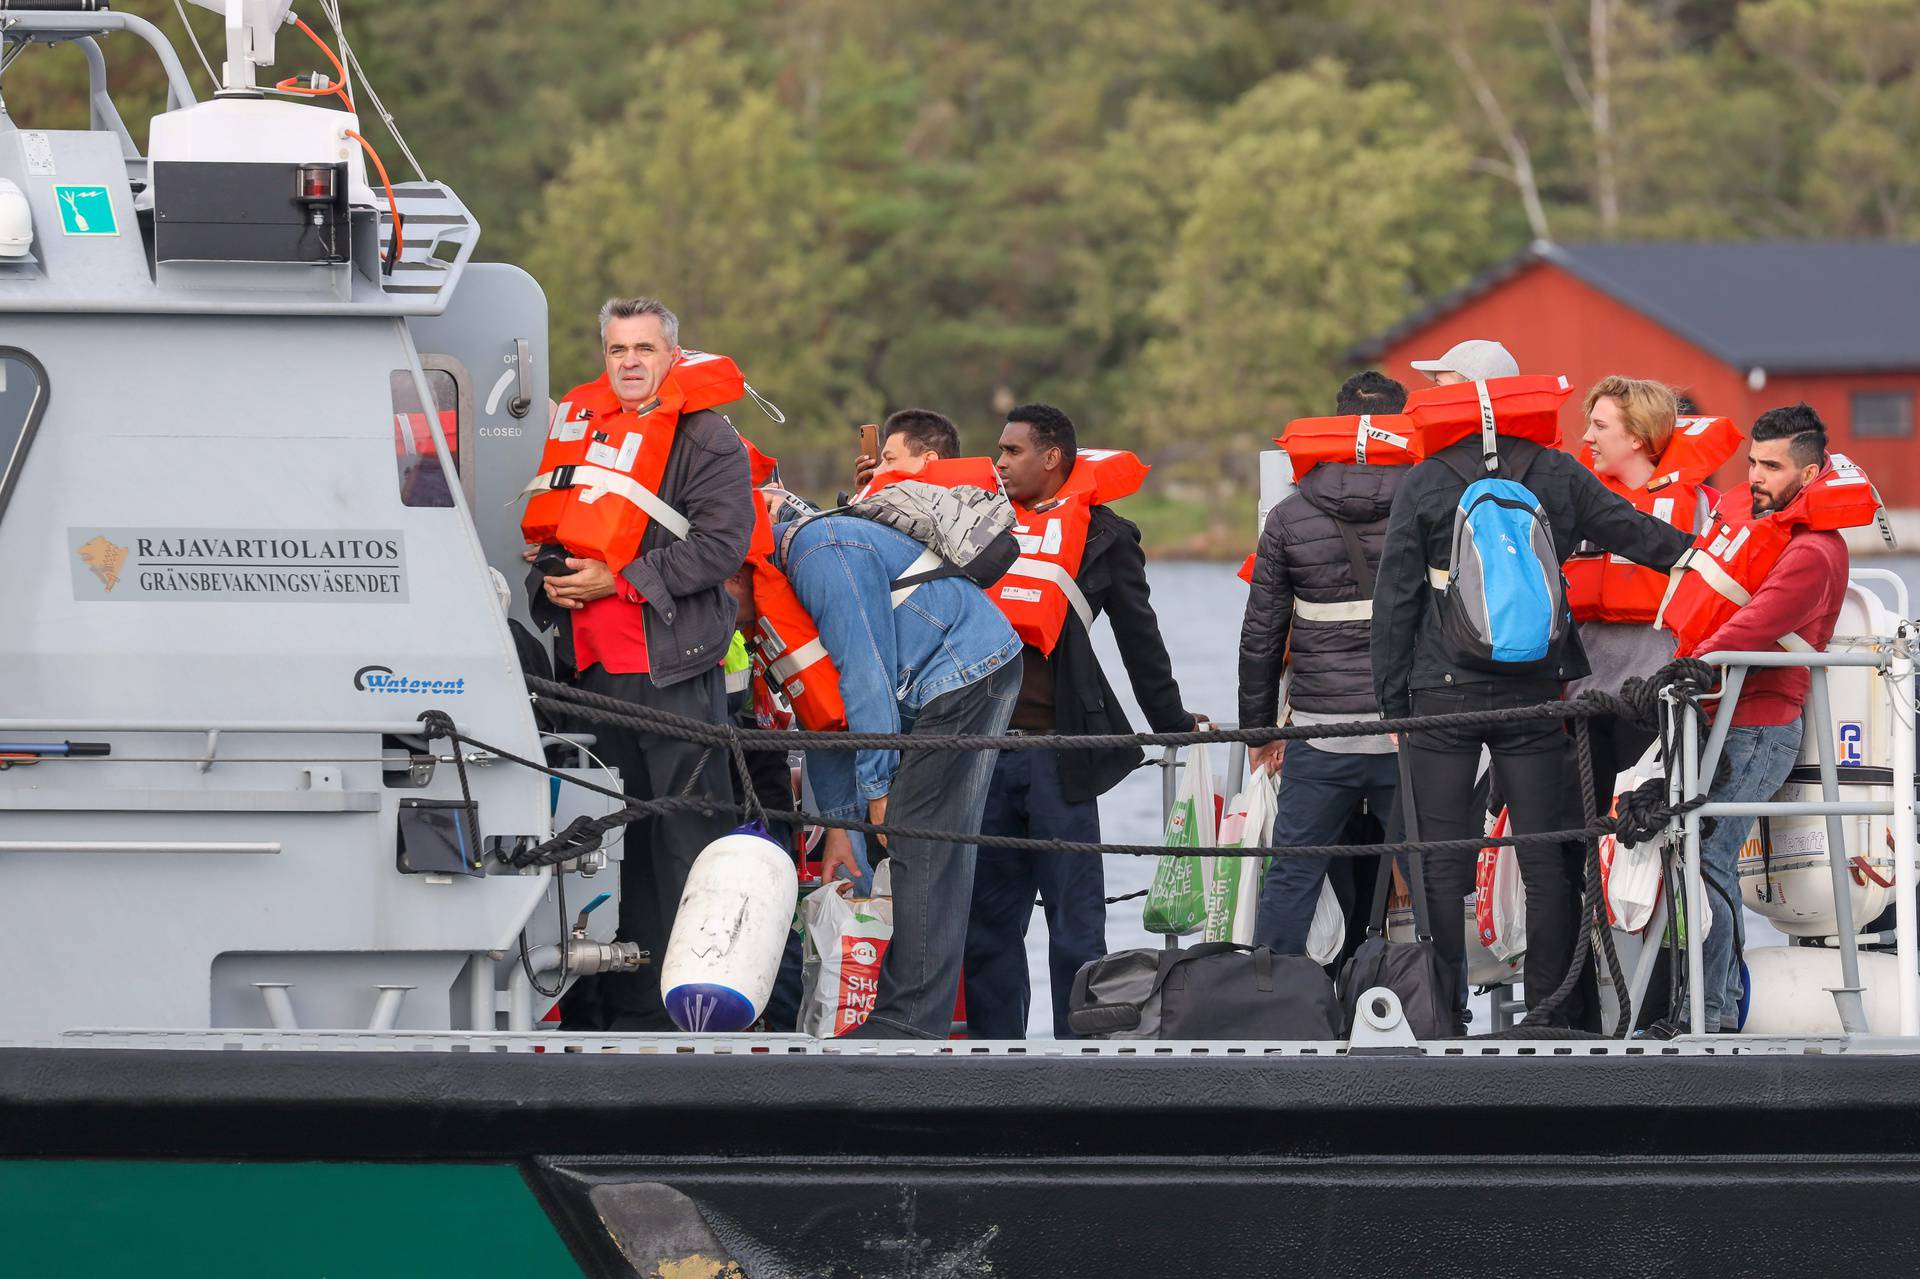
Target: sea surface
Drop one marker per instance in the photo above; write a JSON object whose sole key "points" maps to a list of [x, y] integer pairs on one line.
{"points": [[1199, 604]]}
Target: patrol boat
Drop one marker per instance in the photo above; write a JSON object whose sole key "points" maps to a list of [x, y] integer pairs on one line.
{"points": [[272, 989]]}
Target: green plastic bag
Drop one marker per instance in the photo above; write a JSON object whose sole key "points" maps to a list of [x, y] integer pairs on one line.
{"points": [[1177, 900]]}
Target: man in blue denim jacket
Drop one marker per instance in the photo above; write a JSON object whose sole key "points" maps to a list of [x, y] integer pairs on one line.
{"points": [[943, 662]]}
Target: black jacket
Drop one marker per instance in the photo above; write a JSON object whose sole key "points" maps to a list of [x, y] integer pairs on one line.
{"points": [[1303, 556], [1408, 651], [688, 614], [1113, 577]]}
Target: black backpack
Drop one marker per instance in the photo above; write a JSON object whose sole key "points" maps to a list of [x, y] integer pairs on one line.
{"points": [[1216, 990], [1426, 985]]}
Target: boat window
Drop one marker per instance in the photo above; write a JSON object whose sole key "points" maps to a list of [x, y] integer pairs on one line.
{"points": [[23, 401], [422, 482]]}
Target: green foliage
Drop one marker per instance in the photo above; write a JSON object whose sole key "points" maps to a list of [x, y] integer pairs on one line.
{"points": [[1323, 211], [1173, 219]]}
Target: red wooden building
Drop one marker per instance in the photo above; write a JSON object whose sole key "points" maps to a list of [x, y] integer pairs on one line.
{"points": [[1740, 328]]}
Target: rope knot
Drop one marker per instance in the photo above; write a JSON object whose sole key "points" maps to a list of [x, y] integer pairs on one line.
{"points": [[436, 724]]}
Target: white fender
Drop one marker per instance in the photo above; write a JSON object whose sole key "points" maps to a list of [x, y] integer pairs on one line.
{"points": [[729, 934], [1789, 991], [1794, 888]]}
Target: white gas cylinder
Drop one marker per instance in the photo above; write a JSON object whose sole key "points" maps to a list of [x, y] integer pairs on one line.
{"points": [[1789, 991], [729, 934]]}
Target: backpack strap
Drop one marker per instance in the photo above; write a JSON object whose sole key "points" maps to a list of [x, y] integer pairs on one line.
{"points": [[1356, 558]]}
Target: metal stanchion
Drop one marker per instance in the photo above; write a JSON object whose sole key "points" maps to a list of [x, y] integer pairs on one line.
{"points": [[1900, 694], [1696, 898], [1846, 996]]}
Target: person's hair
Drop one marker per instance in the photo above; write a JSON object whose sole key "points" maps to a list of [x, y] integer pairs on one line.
{"points": [[925, 431], [1800, 424], [627, 308], [1684, 401], [1052, 429], [1647, 407], [1369, 392]]}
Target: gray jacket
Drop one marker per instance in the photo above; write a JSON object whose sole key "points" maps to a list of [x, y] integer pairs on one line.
{"points": [[1303, 557], [688, 614]]}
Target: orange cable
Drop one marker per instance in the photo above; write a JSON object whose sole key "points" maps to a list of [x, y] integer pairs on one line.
{"points": [[393, 205], [339, 70]]}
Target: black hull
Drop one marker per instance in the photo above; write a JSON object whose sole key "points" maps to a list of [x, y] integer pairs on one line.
{"points": [[1102, 1165]]}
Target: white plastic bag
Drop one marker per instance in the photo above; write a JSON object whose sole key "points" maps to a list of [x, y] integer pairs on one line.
{"points": [[1328, 932], [1232, 884], [1631, 872], [1176, 900], [845, 939], [1500, 906]]}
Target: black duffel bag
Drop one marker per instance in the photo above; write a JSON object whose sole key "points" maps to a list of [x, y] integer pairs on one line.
{"points": [[1426, 985], [1216, 990]]}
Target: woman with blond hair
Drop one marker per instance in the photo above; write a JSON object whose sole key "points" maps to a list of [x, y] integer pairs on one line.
{"points": [[1639, 446]]}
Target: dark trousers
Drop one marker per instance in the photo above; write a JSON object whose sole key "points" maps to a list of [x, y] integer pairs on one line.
{"points": [[933, 880], [1025, 800], [1529, 767], [1320, 791], [658, 851]]}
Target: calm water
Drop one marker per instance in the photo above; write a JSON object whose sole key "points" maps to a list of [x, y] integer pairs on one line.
{"points": [[1199, 605]]}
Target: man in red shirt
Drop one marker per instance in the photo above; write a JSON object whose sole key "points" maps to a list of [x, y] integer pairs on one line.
{"points": [[1800, 596]]}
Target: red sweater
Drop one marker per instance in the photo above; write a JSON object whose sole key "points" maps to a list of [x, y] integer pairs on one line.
{"points": [[1802, 595]]}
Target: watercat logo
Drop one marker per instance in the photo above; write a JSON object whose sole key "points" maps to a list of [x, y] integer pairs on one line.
{"points": [[381, 679]]}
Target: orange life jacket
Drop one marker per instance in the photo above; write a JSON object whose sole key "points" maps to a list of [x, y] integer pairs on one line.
{"points": [[1727, 563], [1375, 439], [599, 481], [1602, 587], [1039, 589], [1370, 439], [785, 643], [1526, 407], [947, 472]]}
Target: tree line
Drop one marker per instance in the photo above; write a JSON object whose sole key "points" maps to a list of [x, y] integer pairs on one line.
{"points": [[1171, 219]]}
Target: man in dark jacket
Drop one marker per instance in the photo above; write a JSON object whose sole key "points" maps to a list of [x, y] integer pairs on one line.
{"points": [[1052, 794], [1308, 609], [1416, 672], [655, 634]]}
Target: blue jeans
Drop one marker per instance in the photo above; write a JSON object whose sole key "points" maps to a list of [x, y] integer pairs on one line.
{"points": [[1319, 792], [1025, 800], [1758, 759], [933, 881]]}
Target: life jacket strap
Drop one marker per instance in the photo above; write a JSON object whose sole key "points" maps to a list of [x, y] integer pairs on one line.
{"points": [[924, 567], [1335, 611], [623, 486], [791, 664], [1048, 571]]}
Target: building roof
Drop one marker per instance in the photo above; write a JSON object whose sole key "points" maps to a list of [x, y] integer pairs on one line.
{"points": [[1788, 306]]}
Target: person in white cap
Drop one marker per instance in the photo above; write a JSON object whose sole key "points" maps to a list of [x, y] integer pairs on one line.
{"points": [[1474, 360]]}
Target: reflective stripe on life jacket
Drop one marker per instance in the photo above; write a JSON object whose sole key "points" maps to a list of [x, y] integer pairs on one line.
{"points": [[1602, 587], [599, 481], [1730, 560], [1039, 590]]}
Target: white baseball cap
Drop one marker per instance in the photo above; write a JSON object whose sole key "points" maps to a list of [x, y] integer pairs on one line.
{"points": [[1476, 359]]}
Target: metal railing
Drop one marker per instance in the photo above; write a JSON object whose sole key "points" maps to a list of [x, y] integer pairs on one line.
{"points": [[1693, 776]]}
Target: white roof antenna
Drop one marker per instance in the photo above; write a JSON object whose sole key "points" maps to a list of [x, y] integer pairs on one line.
{"points": [[251, 25]]}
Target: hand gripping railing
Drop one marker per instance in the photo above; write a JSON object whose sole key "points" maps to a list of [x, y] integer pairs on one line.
{"points": [[1693, 777]]}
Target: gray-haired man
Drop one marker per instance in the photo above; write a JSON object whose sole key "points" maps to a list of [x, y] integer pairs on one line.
{"points": [[653, 633]]}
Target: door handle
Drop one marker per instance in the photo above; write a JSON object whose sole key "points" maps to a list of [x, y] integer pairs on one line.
{"points": [[523, 384]]}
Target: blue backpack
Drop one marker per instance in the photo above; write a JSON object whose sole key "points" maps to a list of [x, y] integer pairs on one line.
{"points": [[1503, 604]]}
